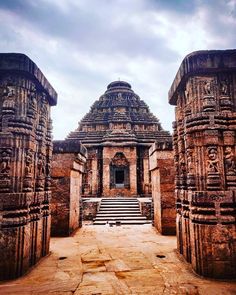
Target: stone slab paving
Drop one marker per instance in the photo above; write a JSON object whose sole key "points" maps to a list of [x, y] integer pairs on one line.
{"points": [[100, 260]]}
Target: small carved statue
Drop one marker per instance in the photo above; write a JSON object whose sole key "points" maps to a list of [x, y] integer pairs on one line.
{"points": [[207, 88], [28, 163], [5, 160], [119, 96], [43, 109], [41, 165], [213, 162], [190, 163], [230, 162], [224, 89], [9, 102]]}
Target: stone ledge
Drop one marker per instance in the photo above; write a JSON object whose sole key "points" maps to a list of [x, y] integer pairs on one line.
{"points": [[18, 62], [201, 62], [69, 146]]}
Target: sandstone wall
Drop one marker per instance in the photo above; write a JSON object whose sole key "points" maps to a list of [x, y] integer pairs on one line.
{"points": [[25, 161], [204, 92], [162, 178], [68, 162]]}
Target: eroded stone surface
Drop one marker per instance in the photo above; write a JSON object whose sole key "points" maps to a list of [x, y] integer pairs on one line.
{"points": [[117, 260]]}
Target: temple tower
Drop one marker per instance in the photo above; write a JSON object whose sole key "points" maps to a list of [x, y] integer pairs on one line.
{"points": [[117, 132]]}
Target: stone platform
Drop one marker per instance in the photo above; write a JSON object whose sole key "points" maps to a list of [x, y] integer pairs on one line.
{"points": [[118, 260]]}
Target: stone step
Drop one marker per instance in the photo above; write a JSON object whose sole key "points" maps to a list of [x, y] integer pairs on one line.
{"points": [[118, 209], [121, 218], [119, 200], [107, 215], [127, 222]]}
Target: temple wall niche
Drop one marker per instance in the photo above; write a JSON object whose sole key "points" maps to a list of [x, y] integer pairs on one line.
{"points": [[205, 149], [163, 186], [129, 189], [68, 163], [25, 161]]}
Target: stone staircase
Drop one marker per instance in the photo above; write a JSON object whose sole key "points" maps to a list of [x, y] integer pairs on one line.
{"points": [[119, 211]]}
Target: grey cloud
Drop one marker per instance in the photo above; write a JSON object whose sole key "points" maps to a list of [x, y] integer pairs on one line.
{"points": [[91, 31]]}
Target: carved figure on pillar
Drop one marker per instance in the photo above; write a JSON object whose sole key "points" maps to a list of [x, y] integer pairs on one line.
{"points": [[209, 102], [225, 102], [32, 103], [190, 170], [43, 111], [40, 172], [230, 167], [8, 106], [27, 182], [5, 160], [213, 175]]}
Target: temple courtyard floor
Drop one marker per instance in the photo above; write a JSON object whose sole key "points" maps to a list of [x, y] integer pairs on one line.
{"points": [[115, 260]]}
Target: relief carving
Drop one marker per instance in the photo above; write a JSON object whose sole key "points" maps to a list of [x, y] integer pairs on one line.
{"points": [[209, 102], [224, 88], [190, 169], [32, 103], [5, 159], [27, 182], [213, 175], [230, 162], [41, 166], [212, 162], [43, 111], [207, 87], [119, 160], [5, 166], [225, 102], [8, 106]]}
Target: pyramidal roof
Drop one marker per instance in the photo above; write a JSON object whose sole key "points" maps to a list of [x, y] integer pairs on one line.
{"points": [[118, 115]]}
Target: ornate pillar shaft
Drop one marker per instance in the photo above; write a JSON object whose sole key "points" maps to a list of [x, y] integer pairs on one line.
{"points": [[204, 92], [25, 154]]}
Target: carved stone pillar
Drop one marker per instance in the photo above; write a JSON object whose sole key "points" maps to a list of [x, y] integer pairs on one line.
{"points": [[25, 154], [204, 92]]}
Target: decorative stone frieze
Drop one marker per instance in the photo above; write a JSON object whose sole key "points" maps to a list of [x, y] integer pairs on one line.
{"points": [[204, 92], [25, 151]]}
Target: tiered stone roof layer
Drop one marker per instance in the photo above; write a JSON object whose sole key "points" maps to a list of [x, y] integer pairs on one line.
{"points": [[119, 114]]}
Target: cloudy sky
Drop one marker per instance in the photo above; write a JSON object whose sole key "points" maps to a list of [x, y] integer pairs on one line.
{"points": [[83, 45]]}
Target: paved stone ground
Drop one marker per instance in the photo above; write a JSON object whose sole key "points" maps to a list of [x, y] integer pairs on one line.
{"points": [[118, 260]]}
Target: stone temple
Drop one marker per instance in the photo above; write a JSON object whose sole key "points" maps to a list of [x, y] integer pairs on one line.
{"points": [[119, 158], [118, 132]]}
